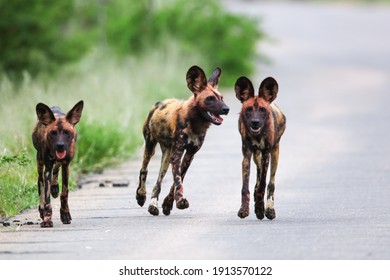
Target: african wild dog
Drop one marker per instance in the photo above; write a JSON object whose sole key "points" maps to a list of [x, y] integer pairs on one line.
{"points": [[261, 125], [54, 138], [180, 126]]}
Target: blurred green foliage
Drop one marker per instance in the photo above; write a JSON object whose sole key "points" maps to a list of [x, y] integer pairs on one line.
{"points": [[222, 39], [37, 36], [40, 36]]}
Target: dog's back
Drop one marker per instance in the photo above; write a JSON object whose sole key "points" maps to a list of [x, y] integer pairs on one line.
{"points": [[161, 123]]}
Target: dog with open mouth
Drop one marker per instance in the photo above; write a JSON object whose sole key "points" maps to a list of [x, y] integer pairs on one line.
{"points": [[180, 128], [54, 137], [261, 125]]}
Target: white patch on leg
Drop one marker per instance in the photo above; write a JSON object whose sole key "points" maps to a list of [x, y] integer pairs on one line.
{"points": [[153, 202], [270, 203]]}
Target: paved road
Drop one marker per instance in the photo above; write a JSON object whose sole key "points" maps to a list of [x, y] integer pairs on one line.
{"points": [[332, 187]]}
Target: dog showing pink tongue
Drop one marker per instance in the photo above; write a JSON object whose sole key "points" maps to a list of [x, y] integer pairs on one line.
{"points": [[60, 155]]}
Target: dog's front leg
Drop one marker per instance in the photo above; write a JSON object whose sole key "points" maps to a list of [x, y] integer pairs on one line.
{"points": [[44, 205], [64, 210], [270, 210], [262, 162], [245, 194], [54, 188]]}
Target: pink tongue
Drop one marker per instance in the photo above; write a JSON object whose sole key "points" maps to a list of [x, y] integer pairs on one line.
{"points": [[218, 118], [60, 155]]}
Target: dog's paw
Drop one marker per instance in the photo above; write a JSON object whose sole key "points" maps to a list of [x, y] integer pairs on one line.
{"points": [[153, 210], [66, 218], [167, 205], [46, 221], [54, 190], [270, 213], [243, 213], [46, 224], [182, 204], [140, 199], [259, 211]]}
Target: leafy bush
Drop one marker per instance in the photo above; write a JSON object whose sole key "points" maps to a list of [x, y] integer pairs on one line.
{"points": [[41, 36], [36, 35], [16, 183], [223, 39], [201, 27]]}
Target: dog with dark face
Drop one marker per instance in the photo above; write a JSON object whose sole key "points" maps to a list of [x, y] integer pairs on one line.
{"points": [[180, 128], [54, 137], [261, 125]]}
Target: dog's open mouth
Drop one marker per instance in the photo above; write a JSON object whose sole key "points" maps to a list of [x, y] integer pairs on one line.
{"points": [[255, 130], [214, 118], [60, 154]]}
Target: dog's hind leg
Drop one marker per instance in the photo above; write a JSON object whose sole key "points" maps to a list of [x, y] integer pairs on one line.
{"points": [[270, 210], [64, 210], [168, 201], [54, 188], [157, 188], [148, 154], [262, 163]]}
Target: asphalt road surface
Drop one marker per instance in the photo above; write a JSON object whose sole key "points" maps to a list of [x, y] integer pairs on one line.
{"points": [[332, 197]]}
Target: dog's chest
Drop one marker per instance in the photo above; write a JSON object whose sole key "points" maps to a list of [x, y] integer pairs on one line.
{"points": [[258, 143], [194, 140]]}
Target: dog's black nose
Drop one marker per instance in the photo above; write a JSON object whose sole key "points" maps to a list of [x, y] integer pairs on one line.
{"points": [[255, 123], [60, 145], [225, 110]]}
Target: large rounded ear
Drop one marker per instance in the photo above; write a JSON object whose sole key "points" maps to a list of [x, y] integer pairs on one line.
{"points": [[44, 114], [244, 89], [269, 89], [214, 78], [196, 79], [74, 115]]}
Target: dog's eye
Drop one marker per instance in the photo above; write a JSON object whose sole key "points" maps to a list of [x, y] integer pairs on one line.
{"points": [[248, 109], [262, 109], [67, 132], [210, 98], [53, 133]]}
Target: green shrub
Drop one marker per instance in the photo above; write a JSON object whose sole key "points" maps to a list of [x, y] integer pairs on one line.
{"points": [[42, 36], [202, 27], [222, 39], [36, 35], [17, 187]]}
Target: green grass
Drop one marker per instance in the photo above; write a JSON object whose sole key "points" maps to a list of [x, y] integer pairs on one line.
{"points": [[117, 97], [17, 191]]}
